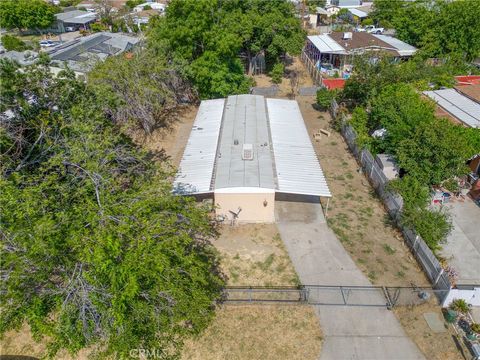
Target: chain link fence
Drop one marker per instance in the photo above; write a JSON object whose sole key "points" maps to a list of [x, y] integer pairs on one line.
{"points": [[393, 203], [369, 296]]}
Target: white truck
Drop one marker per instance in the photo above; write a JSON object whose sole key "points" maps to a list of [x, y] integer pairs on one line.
{"points": [[374, 30]]}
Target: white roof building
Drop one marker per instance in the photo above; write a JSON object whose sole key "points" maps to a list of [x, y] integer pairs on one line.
{"points": [[248, 148], [458, 105]]}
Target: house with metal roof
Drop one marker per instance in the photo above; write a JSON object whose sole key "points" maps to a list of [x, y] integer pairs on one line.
{"points": [[244, 151], [461, 104], [72, 21], [83, 53], [338, 49]]}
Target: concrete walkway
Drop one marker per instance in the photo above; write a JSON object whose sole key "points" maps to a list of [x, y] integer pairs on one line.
{"points": [[462, 248], [320, 259]]}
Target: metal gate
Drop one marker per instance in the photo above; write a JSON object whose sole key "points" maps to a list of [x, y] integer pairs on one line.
{"points": [[378, 296]]}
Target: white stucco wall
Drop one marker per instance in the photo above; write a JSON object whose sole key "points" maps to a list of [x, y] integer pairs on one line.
{"points": [[470, 296]]}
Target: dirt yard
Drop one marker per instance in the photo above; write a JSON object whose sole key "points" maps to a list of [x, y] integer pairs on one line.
{"points": [[435, 346], [254, 255], [259, 333], [21, 343]]}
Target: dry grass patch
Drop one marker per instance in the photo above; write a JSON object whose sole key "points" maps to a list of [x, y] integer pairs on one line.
{"points": [[20, 342], [254, 255], [435, 346], [259, 332]]}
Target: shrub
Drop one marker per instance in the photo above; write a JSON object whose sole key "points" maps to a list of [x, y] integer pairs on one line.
{"points": [[13, 43], [475, 328], [147, 7], [432, 226], [277, 73], [325, 98], [460, 305]]}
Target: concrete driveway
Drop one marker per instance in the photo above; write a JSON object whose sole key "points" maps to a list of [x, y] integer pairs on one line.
{"points": [[320, 259], [462, 248]]}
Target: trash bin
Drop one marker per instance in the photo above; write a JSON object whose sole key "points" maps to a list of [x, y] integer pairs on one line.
{"points": [[450, 316]]}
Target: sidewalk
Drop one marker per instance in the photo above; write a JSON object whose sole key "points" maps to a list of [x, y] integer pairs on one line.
{"points": [[320, 259]]}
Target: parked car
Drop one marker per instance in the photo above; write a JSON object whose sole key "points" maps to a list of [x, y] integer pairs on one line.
{"points": [[374, 30], [69, 29], [48, 43]]}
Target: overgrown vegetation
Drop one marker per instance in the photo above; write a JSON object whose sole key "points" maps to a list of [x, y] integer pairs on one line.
{"points": [[210, 38], [438, 28], [26, 15], [10, 43], [140, 90], [96, 251], [429, 151], [325, 98]]}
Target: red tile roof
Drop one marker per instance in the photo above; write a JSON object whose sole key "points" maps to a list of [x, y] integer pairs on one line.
{"points": [[468, 80], [331, 84]]}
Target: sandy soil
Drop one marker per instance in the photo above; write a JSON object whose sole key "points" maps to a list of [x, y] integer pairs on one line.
{"points": [[173, 139], [254, 255], [21, 343], [259, 332]]}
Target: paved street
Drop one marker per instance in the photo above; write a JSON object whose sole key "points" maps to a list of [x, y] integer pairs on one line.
{"points": [[320, 259]]}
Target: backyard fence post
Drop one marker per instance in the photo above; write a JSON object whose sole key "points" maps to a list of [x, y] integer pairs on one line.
{"points": [[415, 242], [440, 273]]}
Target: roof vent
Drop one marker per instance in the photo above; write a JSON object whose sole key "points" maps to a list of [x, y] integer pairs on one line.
{"points": [[247, 152], [347, 36]]}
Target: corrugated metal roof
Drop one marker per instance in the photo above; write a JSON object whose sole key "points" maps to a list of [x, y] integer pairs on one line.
{"points": [[358, 13], [196, 168], [402, 48], [298, 169], [325, 44], [283, 156], [460, 106], [244, 122]]}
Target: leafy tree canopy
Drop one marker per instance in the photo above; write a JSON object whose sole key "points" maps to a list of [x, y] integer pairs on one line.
{"points": [[26, 14], [210, 37], [96, 251], [439, 28]]}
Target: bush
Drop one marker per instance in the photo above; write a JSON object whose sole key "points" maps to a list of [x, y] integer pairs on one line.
{"points": [[97, 27], [432, 226], [13, 43], [325, 98], [277, 73], [460, 305], [475, 328]]}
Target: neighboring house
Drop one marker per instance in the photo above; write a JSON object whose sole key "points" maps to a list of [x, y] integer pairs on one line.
{"points": [[73, 21], [461, 104], [358, 15], [153, 5], [82, 54], [334, 52], [345, 3]]}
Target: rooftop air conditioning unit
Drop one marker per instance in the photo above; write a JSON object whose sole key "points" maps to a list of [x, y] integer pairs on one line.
{"points": [[347, 36], [247, 152]]}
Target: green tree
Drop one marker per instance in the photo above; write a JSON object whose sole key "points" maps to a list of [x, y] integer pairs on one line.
{"points": [[140, 91], [96, 251], [26, 14], [10, 42], [212, 36], [277, 73], [325, 98]]}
